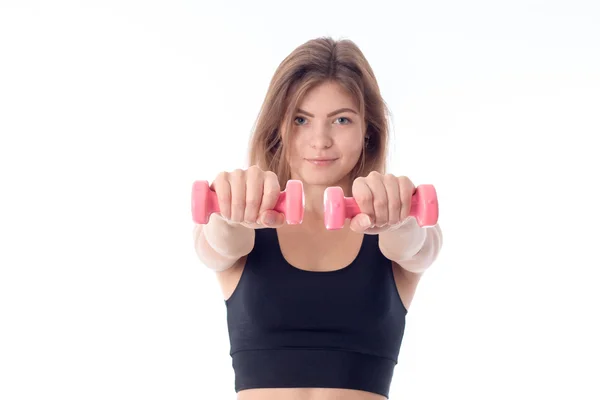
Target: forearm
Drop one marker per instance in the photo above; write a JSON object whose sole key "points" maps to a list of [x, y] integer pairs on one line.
{"points": [[412, 247], [219, 244]]}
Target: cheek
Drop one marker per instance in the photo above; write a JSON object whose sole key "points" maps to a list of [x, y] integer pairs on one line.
{"points": [[295, 152], [354, 156], [295, 147], [353, 148]]}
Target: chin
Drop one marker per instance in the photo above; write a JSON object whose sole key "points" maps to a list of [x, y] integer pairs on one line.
{"points": [[323, 178], [322, 173]]}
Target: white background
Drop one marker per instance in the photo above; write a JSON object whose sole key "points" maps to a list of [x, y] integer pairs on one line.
{"points": [[109, 110]]}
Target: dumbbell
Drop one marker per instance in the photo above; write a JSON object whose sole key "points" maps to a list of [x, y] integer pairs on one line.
{"points": [[290, 202], [424, 206]]}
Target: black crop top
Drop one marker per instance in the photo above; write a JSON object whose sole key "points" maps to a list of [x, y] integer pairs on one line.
{"points": [[291, 328]]}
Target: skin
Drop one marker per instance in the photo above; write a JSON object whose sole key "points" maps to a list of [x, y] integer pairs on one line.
{"points": [[384, 200]]}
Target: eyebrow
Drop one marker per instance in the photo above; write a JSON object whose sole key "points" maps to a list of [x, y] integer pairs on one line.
{"points": [[341, 110]]}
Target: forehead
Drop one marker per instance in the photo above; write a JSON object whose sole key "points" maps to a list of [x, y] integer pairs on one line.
{"points": [[326, 97]]}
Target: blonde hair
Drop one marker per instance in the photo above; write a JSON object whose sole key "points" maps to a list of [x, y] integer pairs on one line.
{"points": [[310, 64]]}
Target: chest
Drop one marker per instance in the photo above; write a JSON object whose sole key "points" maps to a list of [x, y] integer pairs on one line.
{"points": [[322, 284], [297, 299], [330, 251], [350, 302]]}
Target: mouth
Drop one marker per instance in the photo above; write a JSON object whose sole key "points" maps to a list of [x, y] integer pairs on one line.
{"points": [[321, 161]]}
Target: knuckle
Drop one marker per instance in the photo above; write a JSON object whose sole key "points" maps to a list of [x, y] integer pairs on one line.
{"points": [[380, 204], [254, 171], [358, 182], [364, 198], [236, 217], [221, 176], [406, 196], [389, 178], [271, 182], [237, 173], [238, 204], [224, 197], [404, 181], [271, 176], [271, 191], [252, 202], [254, 168], [374, 177], [221, 180], [394, 204]]}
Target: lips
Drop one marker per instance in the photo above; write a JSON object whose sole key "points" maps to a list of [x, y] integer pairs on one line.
{"points": [[320, 161]]}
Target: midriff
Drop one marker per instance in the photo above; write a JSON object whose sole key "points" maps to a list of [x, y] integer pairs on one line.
{"points": [[307, 394]]}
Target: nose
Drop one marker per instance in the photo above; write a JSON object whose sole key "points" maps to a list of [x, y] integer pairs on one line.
{"points": [[320, 137]]}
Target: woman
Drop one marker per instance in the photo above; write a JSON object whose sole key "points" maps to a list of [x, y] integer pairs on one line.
{"points": [[317, 314]]}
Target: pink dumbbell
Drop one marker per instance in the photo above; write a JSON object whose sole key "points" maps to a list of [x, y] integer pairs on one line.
{"points": [[424, 206], [290, 202]]}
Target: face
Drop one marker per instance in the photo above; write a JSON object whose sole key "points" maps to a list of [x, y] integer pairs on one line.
{"points": [[327, 136]]}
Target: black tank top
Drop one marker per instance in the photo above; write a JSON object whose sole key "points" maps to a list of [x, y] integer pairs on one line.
{"points": [[291, 328]]}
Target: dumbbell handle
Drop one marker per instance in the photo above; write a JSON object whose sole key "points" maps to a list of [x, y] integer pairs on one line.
{"points": [[205, 202]]}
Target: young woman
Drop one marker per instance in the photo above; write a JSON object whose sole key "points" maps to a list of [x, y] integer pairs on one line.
{"points": [[317, 314]]}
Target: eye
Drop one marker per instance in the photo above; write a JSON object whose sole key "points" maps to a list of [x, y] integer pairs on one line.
{"points": [[299, 120], [344, 120]]}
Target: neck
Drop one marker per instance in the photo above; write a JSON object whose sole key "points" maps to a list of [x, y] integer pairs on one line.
{"points": [[313, 198]]}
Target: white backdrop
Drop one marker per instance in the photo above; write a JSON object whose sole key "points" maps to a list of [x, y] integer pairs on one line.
{"points": [[109, 110]]}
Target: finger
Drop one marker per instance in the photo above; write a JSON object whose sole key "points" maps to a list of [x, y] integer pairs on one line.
{"points": [[222, 189], [361, 223], [238, 195], [271, 193], [392, 188], [407, 189], [380, 200], [364, 197], [254, 193], [272, 219]]}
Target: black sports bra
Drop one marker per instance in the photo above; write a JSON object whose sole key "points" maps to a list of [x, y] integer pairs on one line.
{"points": [[291, 328]]}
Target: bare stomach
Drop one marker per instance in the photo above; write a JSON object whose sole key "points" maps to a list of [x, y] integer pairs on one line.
{"points": [[307, 394]]}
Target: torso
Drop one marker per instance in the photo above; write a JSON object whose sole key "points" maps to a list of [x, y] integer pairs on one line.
{"points": [[318, 251]]}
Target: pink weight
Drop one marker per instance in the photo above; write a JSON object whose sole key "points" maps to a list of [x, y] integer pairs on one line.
{"points": [[424, 207], [290, 202]]}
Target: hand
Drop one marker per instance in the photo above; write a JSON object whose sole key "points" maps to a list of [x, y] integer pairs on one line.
{"points": [[384, 201], [247, 197]]}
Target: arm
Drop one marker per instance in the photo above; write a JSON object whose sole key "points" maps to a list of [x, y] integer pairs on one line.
{"points": [[411, 247], [219, 244]]}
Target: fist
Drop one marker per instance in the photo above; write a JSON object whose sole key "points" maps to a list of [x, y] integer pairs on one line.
{"points": [[247, 197], [384, 202]]}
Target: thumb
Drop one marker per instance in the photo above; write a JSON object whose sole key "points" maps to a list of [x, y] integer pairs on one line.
{"points": [[272, 219], [361, 222]]}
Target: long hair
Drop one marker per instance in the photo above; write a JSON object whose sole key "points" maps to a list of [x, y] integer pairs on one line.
{"points": [[310, 64]]}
